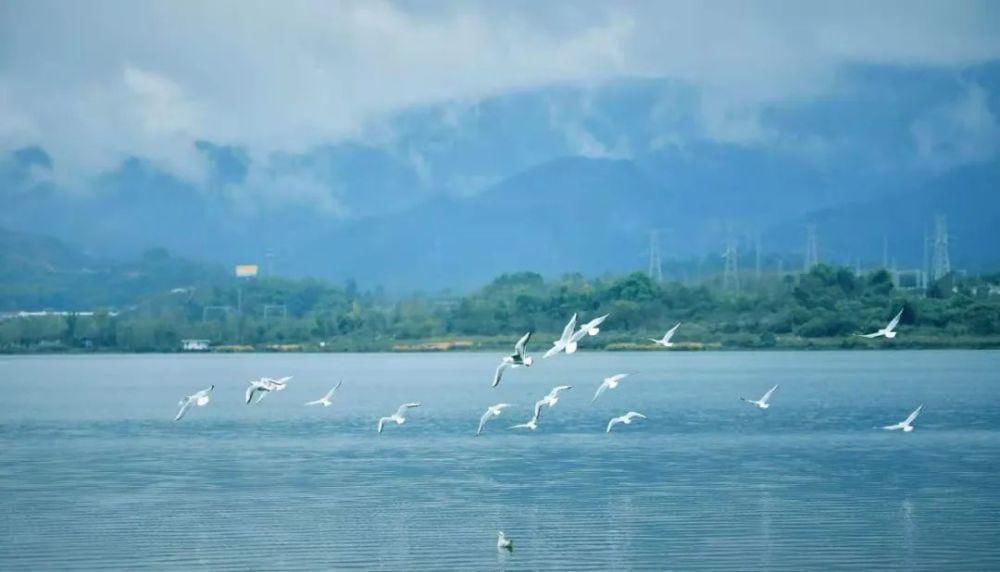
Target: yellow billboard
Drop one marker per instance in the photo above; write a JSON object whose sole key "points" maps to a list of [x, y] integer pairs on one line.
{"points": [[246, 270]]}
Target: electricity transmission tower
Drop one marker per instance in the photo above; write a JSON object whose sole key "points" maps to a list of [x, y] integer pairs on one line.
{"points": [[269, 255], [942, 263], [655, 264], [731, 273], [812, 251], [756, 256]]}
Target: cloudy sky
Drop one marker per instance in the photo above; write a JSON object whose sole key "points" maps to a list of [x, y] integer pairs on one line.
{"points": [[95, 82]]}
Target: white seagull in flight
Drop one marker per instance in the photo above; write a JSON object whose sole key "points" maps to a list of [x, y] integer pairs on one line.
{"points": [[553, 396], [907, 425], [626, 419], [399, 416], [564, 340], [762, 403], [326, 400], [533, 422], [504, 543], [665, 340], [609, 383], [492, 412], [887, 332], [261, 387], [517, 359], [591, 328], [199, 399]]}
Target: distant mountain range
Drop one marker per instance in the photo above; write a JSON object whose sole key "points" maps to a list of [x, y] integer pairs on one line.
{"points": [[38, 273], [562, 179]]}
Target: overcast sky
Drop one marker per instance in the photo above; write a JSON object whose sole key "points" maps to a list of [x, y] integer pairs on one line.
{"points": [[93, 82]]}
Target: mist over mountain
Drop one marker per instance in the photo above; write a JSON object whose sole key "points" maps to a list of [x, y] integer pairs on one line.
{"points": [[558, 179]]}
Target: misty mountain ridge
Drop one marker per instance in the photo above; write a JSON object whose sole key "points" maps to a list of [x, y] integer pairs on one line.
{"points": [[555, 180]]}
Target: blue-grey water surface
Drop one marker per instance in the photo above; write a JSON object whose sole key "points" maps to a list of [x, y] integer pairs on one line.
{"points": [[94, 474]]}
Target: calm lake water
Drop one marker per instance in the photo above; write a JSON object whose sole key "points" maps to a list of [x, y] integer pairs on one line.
{"points": [[94, 474]]}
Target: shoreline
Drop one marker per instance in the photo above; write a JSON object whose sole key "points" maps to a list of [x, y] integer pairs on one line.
{"points": [[465, 345]]}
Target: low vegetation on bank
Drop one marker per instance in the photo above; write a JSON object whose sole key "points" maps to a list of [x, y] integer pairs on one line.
{"points": [[819, 309]]}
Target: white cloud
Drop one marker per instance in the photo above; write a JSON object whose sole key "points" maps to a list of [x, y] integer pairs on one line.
{"points": [[962, 132], [94, 82]]}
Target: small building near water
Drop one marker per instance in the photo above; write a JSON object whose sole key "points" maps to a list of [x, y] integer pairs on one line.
{"points": [[194, 345]]}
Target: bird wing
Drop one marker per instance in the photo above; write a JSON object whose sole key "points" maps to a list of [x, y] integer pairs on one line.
{"points": [[482, 420], [614, 421], [555, 390], [250, 392], [402, 408], [632, 414], [768, 394], [895, 321], [600, 390], [499, 373], [185, 405], [556, 348], [519, 346], [538, 409], [617, 377], [913, 415], [316, 402], [567, 333], [381, 422], [670, 333], [871, 335]]}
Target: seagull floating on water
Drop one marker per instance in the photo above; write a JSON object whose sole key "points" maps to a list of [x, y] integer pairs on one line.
{"points": [[326, 400], [665, 340], [887, 332], [609, 383], [564, 340], [906, 425], [199, 399], [517, 359], [762, 403], [626, 419], [504, 543], [399, 416], [492, 412]]}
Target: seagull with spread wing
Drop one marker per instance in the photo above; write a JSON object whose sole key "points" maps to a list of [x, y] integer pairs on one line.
{"points": [[761, 403], [626, 419], [197, 399], [564, 340], [608, 383], [907, 424], [665, 340], [399, 417], [517, 359], [887, 332]]}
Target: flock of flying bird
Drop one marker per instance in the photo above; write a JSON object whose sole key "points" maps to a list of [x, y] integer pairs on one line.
{"points": [[567, 343]]}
